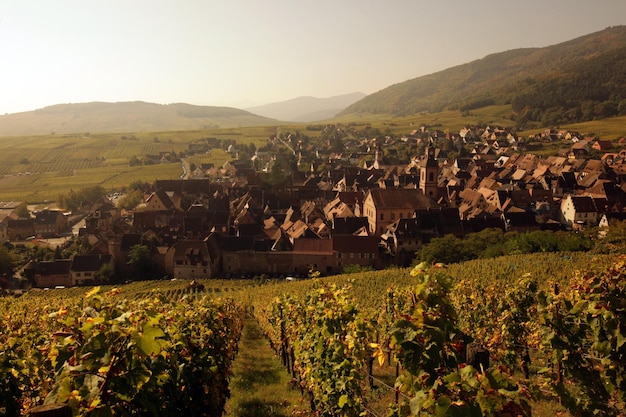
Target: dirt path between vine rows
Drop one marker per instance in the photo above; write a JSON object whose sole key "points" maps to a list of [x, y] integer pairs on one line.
{"points": [[260, 384]]}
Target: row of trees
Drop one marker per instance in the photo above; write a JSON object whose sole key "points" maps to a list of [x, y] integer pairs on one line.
{"points": [[490, 243]]}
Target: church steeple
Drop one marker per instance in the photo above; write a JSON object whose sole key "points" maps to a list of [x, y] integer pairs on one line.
{"points": [[429, 173]]}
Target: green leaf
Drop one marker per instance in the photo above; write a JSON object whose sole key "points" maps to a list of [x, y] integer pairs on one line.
{"points": [[343, 400], [443, 405], [419, 402], [149, 342]]}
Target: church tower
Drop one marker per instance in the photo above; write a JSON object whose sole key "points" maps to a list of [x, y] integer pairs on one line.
{"points": [[429, 174]]}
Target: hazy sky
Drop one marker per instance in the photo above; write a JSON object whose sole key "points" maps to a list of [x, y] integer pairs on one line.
{"points": [[242, 53]]}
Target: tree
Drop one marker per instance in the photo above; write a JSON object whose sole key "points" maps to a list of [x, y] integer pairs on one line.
{"points": [[130, 200], [105, 273], [139, 185], [141, 260], [22, 210], [134, 161], [6, 261], [448, 249]]}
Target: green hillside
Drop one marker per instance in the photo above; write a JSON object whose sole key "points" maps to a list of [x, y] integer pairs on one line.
{"points": [[136, 116], [581, 79]]}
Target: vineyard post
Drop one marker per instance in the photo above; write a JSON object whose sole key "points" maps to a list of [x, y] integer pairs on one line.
{"points": [[559, 366], [283, 353], [292, 355], [397, 388], [370, 371], [525, 363], [288, 356]]}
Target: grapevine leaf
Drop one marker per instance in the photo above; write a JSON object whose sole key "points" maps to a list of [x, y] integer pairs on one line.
{"points": [[442, 406], [149, 341], [418, 402], [92, 292]]}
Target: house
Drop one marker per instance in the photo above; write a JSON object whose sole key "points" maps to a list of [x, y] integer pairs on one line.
{"points": [[602, 145], [314, 254], [86, 269], [4, 228], [51, 273], [357, 226], [50, 223], [355, 250], [7, 212], [518, 220], [249, 255], [102, 216], [608, 218], [20, 229], [576, 212], [191, 260], [384, 206], [578, 150], [159, 201], [473, 204], [406, 236]]}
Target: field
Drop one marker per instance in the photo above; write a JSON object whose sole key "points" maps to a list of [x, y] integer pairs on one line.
{"points": [[38, 169]]}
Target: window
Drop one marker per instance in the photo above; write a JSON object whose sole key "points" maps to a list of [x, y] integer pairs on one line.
{"points": [[431, 176], [393, 216], [382, 216]]}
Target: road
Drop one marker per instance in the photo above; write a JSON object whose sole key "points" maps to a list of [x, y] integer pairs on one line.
{"points": [[186, 169]]}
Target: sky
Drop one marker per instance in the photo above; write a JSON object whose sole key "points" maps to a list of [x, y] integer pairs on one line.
{"points": [[242, 53]]}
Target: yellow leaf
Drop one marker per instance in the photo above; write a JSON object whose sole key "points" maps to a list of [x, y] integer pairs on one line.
{"points": [[92, 292], [94, 403], [378, 353]]}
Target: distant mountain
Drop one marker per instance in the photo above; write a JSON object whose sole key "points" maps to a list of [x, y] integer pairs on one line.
{"points": [[132, 116], [578, 80], [306, 109]]}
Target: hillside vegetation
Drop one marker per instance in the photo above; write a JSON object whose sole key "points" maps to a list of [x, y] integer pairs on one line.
{"points": [[578, 80]]}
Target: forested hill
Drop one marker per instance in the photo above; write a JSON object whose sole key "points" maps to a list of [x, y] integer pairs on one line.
{"points": [[125, 117], [578, 80]]}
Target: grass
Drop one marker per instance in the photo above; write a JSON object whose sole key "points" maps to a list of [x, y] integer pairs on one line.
{"points": [[39, 168], [260, 385]]}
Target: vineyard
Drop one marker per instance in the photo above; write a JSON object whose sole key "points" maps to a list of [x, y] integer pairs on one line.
{"points": [[519, 335], [134, 350]]}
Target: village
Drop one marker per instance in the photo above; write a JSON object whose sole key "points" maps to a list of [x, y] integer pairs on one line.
{"points": [[362, 207]]}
